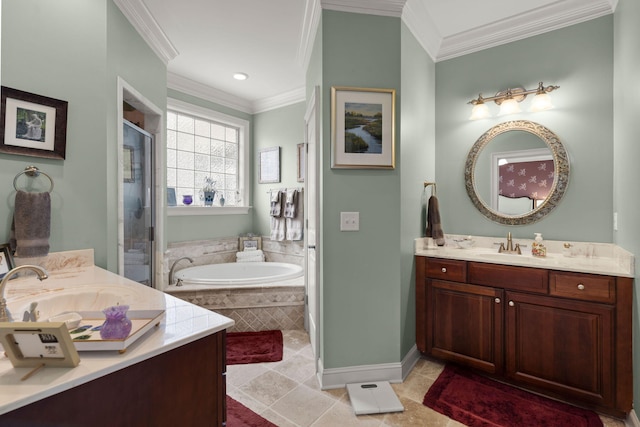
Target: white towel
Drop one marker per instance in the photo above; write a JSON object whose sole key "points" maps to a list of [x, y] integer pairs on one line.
{"points": [[290, 203], [277, 228], [295, 226], [250, 254], [251, 259]]}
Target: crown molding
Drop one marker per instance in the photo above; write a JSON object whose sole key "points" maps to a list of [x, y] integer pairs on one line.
{"points": [[278, 101], [369, 7], [207, 93], [145, 24], [312, 13], [421, 25], [544, 19]]}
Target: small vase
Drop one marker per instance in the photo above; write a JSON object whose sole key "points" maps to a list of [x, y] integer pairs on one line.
{"points": [[221, 200], [187, 199], [208, 197], [116, 325]]}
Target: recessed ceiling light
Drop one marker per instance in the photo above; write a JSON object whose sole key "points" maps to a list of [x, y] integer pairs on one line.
{"points": [[240, 76]]}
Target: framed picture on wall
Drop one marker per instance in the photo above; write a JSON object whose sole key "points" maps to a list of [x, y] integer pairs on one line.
{"points": [[6, 259], [269, 165], [32, 125], [362, 128]]}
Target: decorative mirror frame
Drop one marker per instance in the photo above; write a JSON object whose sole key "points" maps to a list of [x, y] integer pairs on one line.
{"points": [[560, 183]]}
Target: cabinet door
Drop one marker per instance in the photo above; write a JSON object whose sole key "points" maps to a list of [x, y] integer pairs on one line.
{"points": [[561, 346], [464, 324]]}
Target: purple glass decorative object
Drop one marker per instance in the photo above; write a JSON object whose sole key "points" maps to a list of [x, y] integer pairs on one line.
{"points": [[187, 199], [117, 325]]}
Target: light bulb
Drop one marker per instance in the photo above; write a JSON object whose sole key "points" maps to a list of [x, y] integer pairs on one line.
{"points": [[480, 111], [509, 106], [541, 102]]}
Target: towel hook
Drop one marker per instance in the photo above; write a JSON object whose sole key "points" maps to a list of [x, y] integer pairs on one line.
{"points": [[434, 189], [33, 172]]}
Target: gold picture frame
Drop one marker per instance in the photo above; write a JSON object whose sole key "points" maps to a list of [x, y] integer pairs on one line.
{"points": [[362, 128]]}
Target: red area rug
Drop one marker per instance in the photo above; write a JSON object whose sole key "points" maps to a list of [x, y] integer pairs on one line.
{"points": [[477, 401], [254, 347], [239, 415]]}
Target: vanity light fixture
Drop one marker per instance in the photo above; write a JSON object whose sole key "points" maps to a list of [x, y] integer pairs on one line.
{"points": [[509, 99]]}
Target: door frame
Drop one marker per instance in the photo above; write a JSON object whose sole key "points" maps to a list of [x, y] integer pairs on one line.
{"points": [[153, 122], [313, 110]]}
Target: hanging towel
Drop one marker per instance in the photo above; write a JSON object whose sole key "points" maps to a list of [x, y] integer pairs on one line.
{"points": [[31, 225], [275, 200], [434, 228], [295, 224], [277, 228], [290, 202]]}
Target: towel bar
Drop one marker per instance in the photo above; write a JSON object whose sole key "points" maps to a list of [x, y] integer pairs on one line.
{"points": [[32, 171]]}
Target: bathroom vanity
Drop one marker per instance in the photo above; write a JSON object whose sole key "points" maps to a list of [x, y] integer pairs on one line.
{"points": [[558, 326], [173, 375]]}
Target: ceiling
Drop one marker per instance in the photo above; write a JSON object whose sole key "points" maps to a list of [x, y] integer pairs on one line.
{"points": [[204, 42]]}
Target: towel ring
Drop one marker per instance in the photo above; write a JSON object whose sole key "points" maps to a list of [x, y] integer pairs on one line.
{"points": [[32, 171], [433, 190]]}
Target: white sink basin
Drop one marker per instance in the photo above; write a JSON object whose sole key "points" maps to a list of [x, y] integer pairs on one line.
{"points": [[85, 298], [515, 258]]}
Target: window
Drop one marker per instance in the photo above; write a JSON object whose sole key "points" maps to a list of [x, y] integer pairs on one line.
{"points": [[203, 144]]}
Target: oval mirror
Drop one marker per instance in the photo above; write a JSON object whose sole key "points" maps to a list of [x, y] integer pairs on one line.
{"points": [[516, 172]]}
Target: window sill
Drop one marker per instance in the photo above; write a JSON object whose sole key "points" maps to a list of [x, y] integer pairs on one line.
{"points": [[207, 210]]}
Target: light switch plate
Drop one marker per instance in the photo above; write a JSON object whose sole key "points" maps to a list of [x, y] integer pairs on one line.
{"points": [[349, 221]]}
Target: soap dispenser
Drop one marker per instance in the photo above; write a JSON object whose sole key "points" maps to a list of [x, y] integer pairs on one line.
{"points": [[537, 247]]}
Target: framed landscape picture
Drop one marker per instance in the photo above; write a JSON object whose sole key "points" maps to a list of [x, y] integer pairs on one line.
{"points": [[362, 128], [32, 125]]}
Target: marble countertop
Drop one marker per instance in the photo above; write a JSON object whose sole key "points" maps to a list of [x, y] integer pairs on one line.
{"points": [[582, 257], [182, 323]]}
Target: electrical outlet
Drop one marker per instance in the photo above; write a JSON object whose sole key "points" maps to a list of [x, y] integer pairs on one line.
{"points": [[349, 221], [615, 221]]}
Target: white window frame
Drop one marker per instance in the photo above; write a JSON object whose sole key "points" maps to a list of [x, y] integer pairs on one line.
{"points": [[243, 160]]}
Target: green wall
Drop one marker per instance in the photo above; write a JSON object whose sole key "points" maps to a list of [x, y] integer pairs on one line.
{"points": [[626, 150], [72, 50], [580, 60], [360, 270], [284, 128], [417, 138], [195, 227]]}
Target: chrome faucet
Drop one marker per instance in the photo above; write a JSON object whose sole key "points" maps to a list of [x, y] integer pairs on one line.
{"points": [[509, 249], [173, 268], [4, 313]]}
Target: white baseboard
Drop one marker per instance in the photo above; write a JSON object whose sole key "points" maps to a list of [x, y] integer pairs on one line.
{"points": [[392, 372], [632, 420]]}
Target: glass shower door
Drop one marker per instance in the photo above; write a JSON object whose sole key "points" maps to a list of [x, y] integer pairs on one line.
{"points": [[138, 204]]}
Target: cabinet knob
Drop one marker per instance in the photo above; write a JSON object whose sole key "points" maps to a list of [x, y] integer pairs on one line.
{"points": [[581, 286], [444, 269], [497, 300], [511, 304]]}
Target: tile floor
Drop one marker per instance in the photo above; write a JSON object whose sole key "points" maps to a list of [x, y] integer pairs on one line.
{"points": [[287, 393]]}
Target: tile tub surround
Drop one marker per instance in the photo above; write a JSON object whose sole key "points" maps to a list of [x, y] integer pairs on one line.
{"points": [[183, 323], [253, 308], [586, 257]]}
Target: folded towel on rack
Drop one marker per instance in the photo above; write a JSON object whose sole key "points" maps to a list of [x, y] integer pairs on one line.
{"points": [[275, 202], [290, 202], [31, 225], [295, 224], [434, 227]]}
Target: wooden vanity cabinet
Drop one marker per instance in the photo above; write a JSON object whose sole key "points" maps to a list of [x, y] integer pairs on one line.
{"points": [[564, 334]]}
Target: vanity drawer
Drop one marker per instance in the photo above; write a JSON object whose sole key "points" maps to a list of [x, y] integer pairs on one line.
{"points": [[588, 287], [509, 277], [446, 269]]}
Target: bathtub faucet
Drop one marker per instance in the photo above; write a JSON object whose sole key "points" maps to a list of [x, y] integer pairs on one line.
{"points": [[173, 268], [4, 313]]}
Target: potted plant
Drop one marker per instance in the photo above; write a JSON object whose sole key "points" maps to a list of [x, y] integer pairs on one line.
{"points": [[209, 190]]}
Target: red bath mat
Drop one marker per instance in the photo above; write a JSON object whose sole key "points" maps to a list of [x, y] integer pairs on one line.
{"points": [[254, 347], [477, 401], [239, 415]]}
